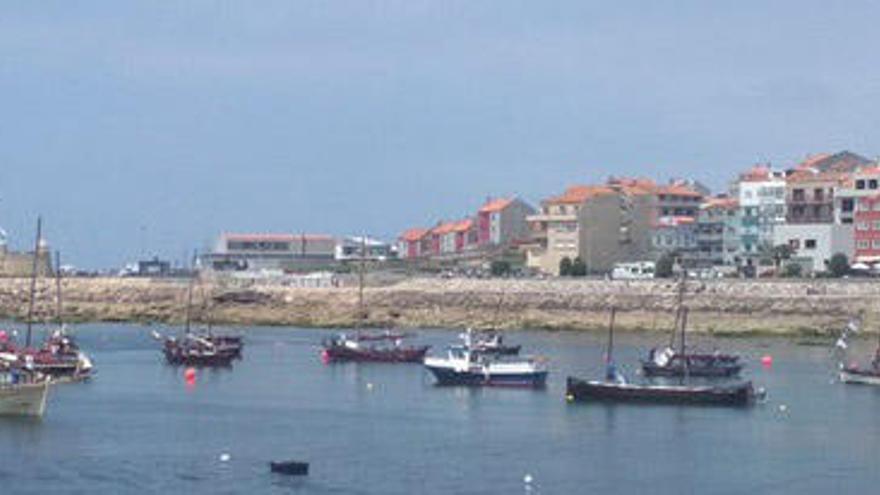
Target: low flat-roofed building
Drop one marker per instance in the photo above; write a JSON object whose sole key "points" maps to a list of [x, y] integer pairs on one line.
{"points": [[351, 248], [286, 252]]}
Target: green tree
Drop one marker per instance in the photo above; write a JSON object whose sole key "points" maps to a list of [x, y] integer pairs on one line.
{"points": [[578, 268], [838, 265], [792, 270], [565, 267], [779, 254], [500, 268], [665, 265]]}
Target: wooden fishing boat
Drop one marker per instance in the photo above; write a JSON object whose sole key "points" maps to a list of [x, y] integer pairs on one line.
{"points": [[59, 358], [463, 366], [615, 388], [736, 394], [202, 349], [195, 351], [342, 348], [675, 362], [370, 347]]}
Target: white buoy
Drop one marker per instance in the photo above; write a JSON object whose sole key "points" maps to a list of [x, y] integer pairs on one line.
{"points": [[224, 457], [527, 479], [783, 408], [369, 386]]}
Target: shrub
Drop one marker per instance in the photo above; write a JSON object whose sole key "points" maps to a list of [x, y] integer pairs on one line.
{"points": [[565, 267], [838, 265], [578, 268]]}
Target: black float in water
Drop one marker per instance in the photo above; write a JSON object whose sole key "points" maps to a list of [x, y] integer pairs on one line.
{"points": [[291, 468]]}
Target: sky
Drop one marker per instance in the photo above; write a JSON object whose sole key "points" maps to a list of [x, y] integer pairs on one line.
{"points": [[147, 128]]}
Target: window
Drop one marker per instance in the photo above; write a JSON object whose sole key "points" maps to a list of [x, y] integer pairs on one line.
{"points": [[876, 206], [876, 224], [875, 244], [847, 205], [819, 194], [795, 244], [810, 244], [862, 244], [862, 226], [872, 184], [798, 194], [860, 184]]}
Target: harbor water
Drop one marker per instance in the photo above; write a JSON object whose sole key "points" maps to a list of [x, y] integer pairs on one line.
{"points": [[140, 427]]}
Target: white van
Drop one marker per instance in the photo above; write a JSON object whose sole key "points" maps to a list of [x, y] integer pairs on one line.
{"points": [[637, 270]]}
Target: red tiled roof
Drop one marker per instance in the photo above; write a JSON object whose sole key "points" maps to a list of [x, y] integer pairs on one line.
{"points": [[812, 175], [413, 235], [496, 205], [678, 190], [844, 161], [578, 194], [812, 160], [274, 237], [720, 203], [443, 228], [757, 173], [462, 225]]}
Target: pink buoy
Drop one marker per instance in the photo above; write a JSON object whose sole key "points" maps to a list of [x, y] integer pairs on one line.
{"points": [[190, 376], [767, 361]]}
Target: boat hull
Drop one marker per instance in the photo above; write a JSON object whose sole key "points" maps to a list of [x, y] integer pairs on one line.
{"points": [[450, 377], [858, 376], [198, 359], [24, 399], [374, 355], [716, 370], [740, 394]]}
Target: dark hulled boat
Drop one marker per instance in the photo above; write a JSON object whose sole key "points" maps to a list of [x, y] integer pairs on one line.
{"points": [[736, 394], [668, 362], [372, 348], [682, 362], [614, 388], [195, 351], [199, 349]]}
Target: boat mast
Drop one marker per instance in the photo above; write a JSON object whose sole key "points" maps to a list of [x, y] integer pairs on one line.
{"points": [[361, 274], [678, 309], [58, 305], [610, 350], [686, 362], [30, 315], [189, 298]]}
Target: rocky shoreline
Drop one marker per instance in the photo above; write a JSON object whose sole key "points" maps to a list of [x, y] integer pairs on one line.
{"points": [[718, 307]]}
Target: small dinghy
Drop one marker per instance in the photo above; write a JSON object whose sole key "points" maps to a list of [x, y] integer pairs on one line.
{"points": [[290, 468]]}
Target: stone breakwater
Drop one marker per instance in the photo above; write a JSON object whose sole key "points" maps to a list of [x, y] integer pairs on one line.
{"points": [[720, 307]]}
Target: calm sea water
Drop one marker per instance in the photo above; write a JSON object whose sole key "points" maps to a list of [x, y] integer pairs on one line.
{"points": [[386, 429]]}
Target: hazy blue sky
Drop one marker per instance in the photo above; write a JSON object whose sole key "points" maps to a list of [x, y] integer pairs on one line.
{"points": [[142, 127]]}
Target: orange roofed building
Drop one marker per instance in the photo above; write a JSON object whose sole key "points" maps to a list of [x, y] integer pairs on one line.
{"points": [[608, 223]]}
